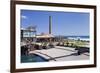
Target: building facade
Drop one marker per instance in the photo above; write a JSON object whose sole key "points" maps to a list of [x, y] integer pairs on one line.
{"points": [[28, 34]]}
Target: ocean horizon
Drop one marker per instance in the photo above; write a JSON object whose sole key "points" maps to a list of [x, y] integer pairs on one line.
{"points": [[87, 38]]}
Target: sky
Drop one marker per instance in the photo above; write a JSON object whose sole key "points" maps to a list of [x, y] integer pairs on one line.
{"points": [[63, 23]]}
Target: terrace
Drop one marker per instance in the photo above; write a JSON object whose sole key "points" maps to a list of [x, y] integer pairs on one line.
{"points": [[57, 53]]}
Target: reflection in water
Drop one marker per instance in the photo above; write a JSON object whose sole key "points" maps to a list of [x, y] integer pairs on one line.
{"points": [[32, 58]]}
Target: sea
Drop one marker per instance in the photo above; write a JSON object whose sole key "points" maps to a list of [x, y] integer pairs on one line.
{"points": [[84, 38]]}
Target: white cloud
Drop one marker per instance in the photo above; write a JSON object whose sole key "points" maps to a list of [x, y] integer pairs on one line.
{"points": [[24, 17]]}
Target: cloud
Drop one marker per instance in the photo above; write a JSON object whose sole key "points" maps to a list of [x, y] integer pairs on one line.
{"points": [[24, 17]]}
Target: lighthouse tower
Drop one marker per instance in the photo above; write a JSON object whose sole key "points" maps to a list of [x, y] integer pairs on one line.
{"points": [[50, 25]]}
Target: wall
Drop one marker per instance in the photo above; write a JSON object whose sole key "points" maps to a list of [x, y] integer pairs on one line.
{"points": [[5, 36]]}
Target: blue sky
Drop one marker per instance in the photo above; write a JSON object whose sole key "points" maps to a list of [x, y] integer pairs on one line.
{"points": [[63, 23]]}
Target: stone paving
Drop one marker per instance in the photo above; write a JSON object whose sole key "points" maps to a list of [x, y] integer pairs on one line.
{"points": [[60, 54]]}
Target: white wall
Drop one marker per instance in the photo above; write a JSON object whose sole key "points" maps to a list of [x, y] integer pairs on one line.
{"points": [[5, 36]]}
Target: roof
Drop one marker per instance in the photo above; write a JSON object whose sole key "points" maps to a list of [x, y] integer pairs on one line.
{"points": [[24, 29], [44, 36]]}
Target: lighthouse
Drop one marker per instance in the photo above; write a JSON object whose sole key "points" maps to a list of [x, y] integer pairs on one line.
{"points": [[50, 24]]}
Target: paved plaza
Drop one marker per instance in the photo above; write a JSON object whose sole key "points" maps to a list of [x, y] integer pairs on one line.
{"points": [[60, 54]]}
